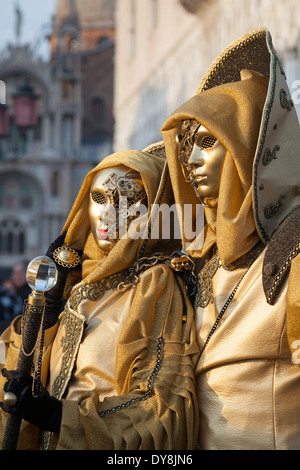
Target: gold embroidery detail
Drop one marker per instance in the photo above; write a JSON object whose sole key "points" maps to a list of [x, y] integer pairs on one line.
{"points": [[204, 294], [281, 273], [249, 52], [73, 332], [96, 290]]}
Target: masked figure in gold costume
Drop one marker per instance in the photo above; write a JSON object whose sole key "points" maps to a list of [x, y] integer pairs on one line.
{"points": [[119, 364], [234, 147]]}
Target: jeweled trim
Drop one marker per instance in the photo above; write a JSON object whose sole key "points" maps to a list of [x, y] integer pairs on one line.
{"points": [[278, 279], [266, 119], [209, 80]]}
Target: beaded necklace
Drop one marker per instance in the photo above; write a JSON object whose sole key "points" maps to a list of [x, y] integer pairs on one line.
{"points": [[222, 312]]}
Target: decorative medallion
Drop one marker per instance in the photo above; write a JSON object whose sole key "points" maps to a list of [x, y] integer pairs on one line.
{"points": [[66, 257]]}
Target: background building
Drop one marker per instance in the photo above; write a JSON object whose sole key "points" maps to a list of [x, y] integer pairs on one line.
{"points": [[117, 69], [42, 166], [164, 47]]}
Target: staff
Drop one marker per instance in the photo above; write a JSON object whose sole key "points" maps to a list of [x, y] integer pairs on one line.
{"points": [[41, 276]]}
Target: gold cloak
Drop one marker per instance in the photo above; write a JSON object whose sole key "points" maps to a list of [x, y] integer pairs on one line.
{"points": [[247, 379], [155, 406]]}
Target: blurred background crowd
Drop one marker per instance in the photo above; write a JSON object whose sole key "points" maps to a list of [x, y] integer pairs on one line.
{"points": [[14, 290]]}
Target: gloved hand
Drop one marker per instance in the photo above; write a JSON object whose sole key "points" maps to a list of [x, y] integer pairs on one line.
{"points": [[54, 296], [43, 411]]}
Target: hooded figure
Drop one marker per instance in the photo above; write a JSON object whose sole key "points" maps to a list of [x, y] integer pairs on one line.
{"points": [[119, 363], [234, 147]]}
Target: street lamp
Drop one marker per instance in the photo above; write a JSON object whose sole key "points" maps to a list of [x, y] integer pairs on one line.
{"points": [[26, 106], [25, 103]]}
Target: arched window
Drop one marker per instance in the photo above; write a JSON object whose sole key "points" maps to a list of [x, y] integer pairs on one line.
{"points": [[12, 237]]}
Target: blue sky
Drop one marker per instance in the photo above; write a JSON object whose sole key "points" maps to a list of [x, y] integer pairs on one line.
{"points": [[36, 16]]}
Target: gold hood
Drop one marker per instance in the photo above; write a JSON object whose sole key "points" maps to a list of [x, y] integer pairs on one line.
{"points": [[95, 265], [244, 101]]}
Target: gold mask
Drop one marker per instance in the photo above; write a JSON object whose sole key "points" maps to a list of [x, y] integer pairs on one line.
{"points": [[202, 157], [112, 193], [206, 164]]}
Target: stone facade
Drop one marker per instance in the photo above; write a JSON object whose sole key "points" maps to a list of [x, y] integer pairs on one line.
{"points": [[42, 168], [159, 66]]}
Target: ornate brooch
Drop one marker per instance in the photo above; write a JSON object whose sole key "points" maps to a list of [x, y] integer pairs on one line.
{"points": [[66, 257]]}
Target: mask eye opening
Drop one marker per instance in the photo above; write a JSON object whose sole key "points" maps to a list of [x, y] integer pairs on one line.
{"points": [[98, 197], [207, 142]]}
